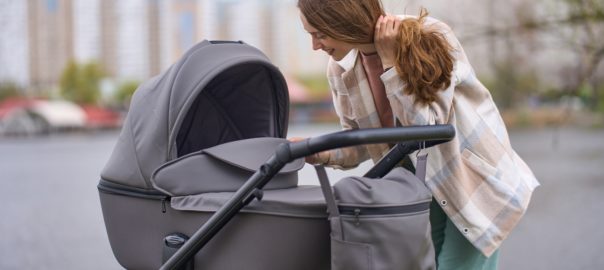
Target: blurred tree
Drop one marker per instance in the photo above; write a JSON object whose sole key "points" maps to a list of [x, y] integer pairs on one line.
{"points": [[510, 85], [586, 38], [9, 89], [125, 91], [80, 83], [577, 26]]}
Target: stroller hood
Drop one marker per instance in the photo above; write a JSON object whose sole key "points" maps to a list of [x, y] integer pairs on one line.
{"points": [[216, 93]]}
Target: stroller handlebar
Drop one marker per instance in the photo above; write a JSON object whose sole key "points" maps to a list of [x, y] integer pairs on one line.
{"points": [[369, 136]]}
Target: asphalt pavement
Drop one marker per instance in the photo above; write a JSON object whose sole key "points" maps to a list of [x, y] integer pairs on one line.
{"points": [[51, 218]]}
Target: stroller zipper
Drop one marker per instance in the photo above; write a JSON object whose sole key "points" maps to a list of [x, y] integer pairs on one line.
{"points": [[117, 189]]}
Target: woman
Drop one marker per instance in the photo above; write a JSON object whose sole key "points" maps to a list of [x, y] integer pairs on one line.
{"points": [[413, 70]]}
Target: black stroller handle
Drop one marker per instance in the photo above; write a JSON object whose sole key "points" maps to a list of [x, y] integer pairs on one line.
{"points": [[370, 136], [396, 154], [288, 152]]}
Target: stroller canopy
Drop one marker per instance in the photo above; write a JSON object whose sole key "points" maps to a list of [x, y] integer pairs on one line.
{"points": [[216, 93]]}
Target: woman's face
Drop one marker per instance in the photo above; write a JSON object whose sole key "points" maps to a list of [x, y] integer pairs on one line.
{"points": [[335, 48]]}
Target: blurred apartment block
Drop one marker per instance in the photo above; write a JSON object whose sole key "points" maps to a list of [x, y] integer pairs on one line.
{"points": [[137, 39]]}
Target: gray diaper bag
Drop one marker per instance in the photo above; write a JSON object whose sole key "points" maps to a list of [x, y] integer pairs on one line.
{"points": [[379, 224]]}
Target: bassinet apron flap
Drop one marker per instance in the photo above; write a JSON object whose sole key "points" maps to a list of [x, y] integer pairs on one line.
{"points": [[223, 168], [249, 154], [302, 201]]}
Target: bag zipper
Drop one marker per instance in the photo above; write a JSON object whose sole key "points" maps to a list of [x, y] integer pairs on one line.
{"points": [[358, 211]]}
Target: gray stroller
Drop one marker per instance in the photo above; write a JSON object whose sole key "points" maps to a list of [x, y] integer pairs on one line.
{"points": [[202, 156]]}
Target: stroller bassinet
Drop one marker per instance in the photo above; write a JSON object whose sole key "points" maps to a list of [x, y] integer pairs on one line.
{"points": [[207, 134], [207, 123]]}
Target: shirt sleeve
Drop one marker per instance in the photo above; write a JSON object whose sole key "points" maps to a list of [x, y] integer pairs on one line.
{"points": [[437, 112]]}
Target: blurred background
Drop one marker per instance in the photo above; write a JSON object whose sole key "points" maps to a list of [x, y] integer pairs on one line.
{"points": [[69, 67]]}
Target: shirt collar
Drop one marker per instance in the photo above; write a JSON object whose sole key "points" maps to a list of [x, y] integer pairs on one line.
{"points": [[348, 62]]}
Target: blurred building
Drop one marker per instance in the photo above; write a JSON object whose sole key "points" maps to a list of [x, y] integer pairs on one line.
{"points": [[50, 35], [37, 41], [137, 39], [274, 27], [14, 45]]}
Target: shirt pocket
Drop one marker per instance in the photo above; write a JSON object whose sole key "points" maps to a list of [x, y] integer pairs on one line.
{"points": [[478, 164], [499, 190]]}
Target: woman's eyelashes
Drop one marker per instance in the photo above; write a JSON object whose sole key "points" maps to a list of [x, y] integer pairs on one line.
{"points": [[319, 35]]}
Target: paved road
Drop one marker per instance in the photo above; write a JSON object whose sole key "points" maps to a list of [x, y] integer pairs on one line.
{"points": [[563, 226], [51, 219]]}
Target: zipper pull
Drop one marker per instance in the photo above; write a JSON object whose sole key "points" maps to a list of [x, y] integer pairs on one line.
{"points": [[163, 204], [357, 220]]}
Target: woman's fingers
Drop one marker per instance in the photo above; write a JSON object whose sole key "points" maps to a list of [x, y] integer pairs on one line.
{"points": [[386, 32], [386, 27], [391, 26], [296, 139], [378, 26], [397, 25]]}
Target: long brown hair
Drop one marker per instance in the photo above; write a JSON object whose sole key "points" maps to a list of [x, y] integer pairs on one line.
{"points": [[350, 21], [424, 60]]}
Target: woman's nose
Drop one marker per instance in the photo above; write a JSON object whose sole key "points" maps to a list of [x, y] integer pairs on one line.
{"points": [[316, 45]]}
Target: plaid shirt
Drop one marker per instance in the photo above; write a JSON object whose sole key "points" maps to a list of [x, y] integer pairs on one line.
{"points": [[478, 179]]}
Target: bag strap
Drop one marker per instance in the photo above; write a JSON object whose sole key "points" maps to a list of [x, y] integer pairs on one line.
{"points": [[420, 168], [332, 207]]}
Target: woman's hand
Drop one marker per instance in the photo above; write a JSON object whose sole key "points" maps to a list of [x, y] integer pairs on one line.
{"points": [[385, 39], [318, 158]]}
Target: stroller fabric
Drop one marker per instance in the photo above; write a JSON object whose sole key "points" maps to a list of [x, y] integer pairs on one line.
{"points": [[216, 93], [223, 168]]}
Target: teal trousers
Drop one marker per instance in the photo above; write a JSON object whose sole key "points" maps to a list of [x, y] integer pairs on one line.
{"points": [[453, 250]]}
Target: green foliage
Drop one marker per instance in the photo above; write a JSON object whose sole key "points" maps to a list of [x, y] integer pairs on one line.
{"points": [[510, 86], [586, 18], [8, 89], [80, 83], [523, 119], [125, 91], [600, 104], [552, 95], [317, 86]]}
